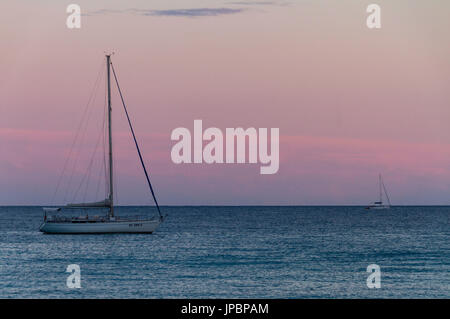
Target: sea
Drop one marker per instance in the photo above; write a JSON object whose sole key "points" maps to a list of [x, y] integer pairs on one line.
{"points": [[235, 252]]}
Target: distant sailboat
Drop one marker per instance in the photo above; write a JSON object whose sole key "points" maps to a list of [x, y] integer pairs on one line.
{"points": [[379, 204], [57, 224]]}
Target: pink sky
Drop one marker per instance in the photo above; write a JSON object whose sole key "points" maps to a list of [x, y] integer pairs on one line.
{"points": [[350, 102]]}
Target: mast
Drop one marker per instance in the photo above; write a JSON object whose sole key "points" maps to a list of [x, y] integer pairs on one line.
{"points": [[111, 187], [379, 182]]}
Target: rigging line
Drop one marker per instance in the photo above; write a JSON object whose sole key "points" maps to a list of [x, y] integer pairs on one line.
{"points": [[98, 183], [115, 183], [100, 71], [100, 137], [87, 183], [83, 135], [92, 163], [82, 131], [386, 193], [102, 168], [89, 170], [135, 142], [105, 133], [105, 167]]}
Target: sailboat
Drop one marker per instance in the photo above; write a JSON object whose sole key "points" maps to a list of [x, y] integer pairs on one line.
{"points": [[55, 223], [379, 204]]}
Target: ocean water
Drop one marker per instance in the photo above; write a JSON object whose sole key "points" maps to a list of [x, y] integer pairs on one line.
{"points": [[235, 252]]}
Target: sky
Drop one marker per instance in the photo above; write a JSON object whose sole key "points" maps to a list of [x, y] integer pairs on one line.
{"points": [[350, 102]]}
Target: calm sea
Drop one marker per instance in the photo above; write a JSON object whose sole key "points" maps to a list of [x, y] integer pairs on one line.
{"points": [[235, 252]]}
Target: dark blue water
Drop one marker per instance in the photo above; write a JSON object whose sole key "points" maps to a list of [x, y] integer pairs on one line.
{"points": [[261, 252]]}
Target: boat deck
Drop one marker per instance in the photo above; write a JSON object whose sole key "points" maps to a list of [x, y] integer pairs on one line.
{"points": [[96, 219]]}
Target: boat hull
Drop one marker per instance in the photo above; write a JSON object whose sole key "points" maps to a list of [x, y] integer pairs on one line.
{"points": [[378, 207], [106, 227]]}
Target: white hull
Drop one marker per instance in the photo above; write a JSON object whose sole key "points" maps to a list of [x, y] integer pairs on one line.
{"points": [[105, 227], [378, 207]]}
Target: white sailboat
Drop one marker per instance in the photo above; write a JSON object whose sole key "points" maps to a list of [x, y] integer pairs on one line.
{"points": [[379, 204], [56, 223]]}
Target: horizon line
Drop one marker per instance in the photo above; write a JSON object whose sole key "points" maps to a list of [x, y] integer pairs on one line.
{"points": [[201, 205]]}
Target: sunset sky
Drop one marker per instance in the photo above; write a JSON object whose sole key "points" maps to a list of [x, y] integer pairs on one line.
{"points": [[349, 101]]}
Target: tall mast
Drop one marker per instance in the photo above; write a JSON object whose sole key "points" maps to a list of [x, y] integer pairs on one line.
{"points": [[111, 185], [381, 194]]}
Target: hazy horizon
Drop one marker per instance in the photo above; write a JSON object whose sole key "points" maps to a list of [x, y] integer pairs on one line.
{"points": [[181, 205]]}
